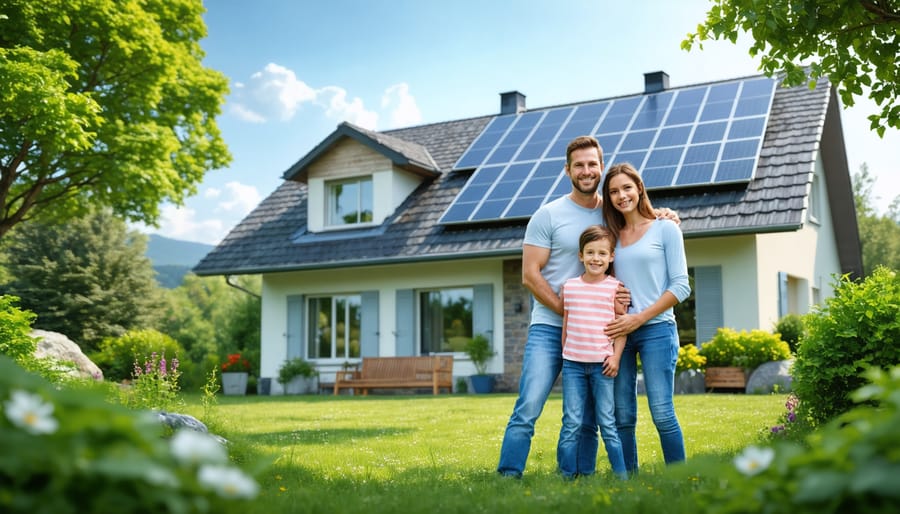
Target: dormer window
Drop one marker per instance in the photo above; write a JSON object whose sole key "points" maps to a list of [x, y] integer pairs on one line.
{"points": [[349, 202]]}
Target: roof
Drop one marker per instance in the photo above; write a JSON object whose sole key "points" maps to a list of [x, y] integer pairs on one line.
{"points": [[273, 236]]}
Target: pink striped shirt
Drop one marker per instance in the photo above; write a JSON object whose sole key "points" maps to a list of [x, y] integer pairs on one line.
{"points": [[589, 307]]}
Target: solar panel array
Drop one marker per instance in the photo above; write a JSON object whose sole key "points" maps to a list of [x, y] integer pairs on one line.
{"points": [[694, 136]]}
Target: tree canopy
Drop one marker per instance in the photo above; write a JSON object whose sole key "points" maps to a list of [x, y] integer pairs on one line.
{"points": [[104, 103], [854, 43], [879, 234]]}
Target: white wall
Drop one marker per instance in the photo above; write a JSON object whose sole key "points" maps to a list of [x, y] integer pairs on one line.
{"points": [[386, 280]]}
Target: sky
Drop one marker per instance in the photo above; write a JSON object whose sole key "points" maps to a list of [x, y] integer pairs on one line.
{"points": [[298, 68]]}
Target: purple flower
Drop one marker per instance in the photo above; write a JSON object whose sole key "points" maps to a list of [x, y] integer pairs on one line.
{"points": [[791, 416], [162, 366], [777, 428], [174, 364]]}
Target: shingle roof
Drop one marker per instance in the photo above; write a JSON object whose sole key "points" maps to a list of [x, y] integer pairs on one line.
{"points": [[273, 236]]}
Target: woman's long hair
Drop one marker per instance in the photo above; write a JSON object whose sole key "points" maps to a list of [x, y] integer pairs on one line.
{"points": [[614, 219]]}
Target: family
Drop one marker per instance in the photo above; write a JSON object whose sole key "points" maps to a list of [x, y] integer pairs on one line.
{"points": [[605, 269]]}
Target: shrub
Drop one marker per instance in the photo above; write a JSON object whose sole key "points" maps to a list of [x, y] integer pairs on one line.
{"points": [[744, 349], [791, 329], [848, 465], [118, 354], [689, 358], [858, 327], [479, 350], [296, 367], [154, 384], [68, 450], [15, 327]]}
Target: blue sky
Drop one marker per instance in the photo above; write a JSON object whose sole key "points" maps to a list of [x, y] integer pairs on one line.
{"points": [[296, 69]]}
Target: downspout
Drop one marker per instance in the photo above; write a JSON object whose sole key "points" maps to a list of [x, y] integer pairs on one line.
{"points": [[238, 286]]}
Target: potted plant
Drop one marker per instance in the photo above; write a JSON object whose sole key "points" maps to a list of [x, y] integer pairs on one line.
{"points": [[480, 352], [235, 372], [298, 376]]}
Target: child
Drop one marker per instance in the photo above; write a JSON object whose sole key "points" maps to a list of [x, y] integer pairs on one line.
{"points": [[590, 358]]}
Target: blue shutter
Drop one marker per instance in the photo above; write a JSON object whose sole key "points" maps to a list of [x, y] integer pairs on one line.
{"points": [[405, 330], [294, 326], [782, 294], [368, 344], [708, 301], [483, 311]]}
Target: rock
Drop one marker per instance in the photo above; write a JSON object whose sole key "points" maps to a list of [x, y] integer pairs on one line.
{"points": [[690, 382], [764, 378], [59, 347], [176, 421]]}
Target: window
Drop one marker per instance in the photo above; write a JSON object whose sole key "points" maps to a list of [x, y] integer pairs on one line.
{"points": [[334, 327], [686, 315], [349, 202], [815, 199], [445, 319]]}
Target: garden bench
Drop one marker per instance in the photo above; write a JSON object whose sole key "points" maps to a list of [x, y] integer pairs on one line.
{"points": [[434, 372]]}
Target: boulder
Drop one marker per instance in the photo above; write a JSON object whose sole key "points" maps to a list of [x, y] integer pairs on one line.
{"points": [[690, 382], [764, 378], [59, 347]]}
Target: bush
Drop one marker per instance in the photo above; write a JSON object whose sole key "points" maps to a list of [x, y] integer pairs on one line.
{"points": [[848, 465], [744, 349], [15, 327], [689, 358], [791, 329], [480, 352], [68, 450], [858, 327], [296, 367], [118, 355]]}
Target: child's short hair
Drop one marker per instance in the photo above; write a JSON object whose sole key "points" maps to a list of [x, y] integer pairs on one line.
{"points": [[596, 233]]}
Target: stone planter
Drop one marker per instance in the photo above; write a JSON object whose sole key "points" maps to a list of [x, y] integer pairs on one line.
{"points": [[234, 383], [302, 385], [690, 382], [730, 377]]}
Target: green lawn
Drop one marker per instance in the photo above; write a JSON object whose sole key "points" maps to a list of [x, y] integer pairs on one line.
{"points": [[437, 454]]}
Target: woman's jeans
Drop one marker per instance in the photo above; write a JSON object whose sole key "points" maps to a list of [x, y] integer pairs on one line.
{"points": [[657, 345], [541, 365], [580, 381]]}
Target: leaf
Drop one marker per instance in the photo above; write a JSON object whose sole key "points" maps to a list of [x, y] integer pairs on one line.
{"points": [[820, 486]]}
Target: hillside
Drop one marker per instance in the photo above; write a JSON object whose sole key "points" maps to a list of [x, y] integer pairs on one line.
{"points": [[172, 258]]}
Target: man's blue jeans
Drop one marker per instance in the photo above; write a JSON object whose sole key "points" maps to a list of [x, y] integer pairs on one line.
{"points": [[581, 380], [657, 345], [541, 365]]}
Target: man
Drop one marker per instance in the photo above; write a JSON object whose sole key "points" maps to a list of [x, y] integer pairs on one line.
{"points": [[549, 258]]}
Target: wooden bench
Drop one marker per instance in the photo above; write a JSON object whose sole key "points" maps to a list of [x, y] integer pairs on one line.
{"points": [[434, 372]]}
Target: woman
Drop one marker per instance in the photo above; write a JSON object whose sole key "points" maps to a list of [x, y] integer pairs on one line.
{"points": [[650, 261]]}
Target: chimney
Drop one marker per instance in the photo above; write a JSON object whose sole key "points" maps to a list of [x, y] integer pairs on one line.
{"points": [[655, 82], [512, 102]]}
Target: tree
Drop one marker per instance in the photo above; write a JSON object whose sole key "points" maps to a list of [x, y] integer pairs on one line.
{"points": [[88, 278], [879, 234], [854, 43], [104, 103]]}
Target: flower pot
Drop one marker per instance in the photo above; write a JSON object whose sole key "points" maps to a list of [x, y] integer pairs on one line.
{"points": [[730, 377], [482, 384], [234, 383], [302, 385]]}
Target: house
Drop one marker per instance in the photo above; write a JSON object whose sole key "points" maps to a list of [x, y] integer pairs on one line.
{"points": [[408, 241]]}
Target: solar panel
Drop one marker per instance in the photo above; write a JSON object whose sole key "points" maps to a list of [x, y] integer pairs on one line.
{"points": [[694, 136]]}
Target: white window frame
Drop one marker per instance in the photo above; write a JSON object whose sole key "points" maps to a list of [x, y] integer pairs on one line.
{"points": [[420, 314], [331, 220], [312, 330]]}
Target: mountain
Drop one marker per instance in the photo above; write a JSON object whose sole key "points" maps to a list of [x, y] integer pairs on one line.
{"points": [[172, 258]]}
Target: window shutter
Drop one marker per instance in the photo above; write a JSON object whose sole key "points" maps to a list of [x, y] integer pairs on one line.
{"points": [[483, 311], [369, 324], [782, 294], [708, 301], [294, 326], [405, 330]]}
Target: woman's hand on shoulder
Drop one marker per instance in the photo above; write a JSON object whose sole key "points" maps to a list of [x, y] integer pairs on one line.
{"points": [[667, 214]]}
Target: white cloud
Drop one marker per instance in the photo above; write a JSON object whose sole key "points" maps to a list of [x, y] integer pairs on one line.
{"points": [[246, 114], [334, 99], [276, 92], [401, 106], [212, 192], [182, 223], [240, 198]]}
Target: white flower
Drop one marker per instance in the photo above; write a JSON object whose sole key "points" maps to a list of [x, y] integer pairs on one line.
{"points": [[228, 482], [31, 412], [191, 447], [754, 460]]}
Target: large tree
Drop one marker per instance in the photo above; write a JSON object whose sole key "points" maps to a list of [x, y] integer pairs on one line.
{"points": [[88, 278], [879, 234], [854, 43], [104, 103]]}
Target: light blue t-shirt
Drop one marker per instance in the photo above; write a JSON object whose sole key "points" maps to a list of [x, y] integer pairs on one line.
{"points": [[653, 265], [558, 225]]}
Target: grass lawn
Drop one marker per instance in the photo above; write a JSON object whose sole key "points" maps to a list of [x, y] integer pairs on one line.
{"points": [[438, 454]]}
